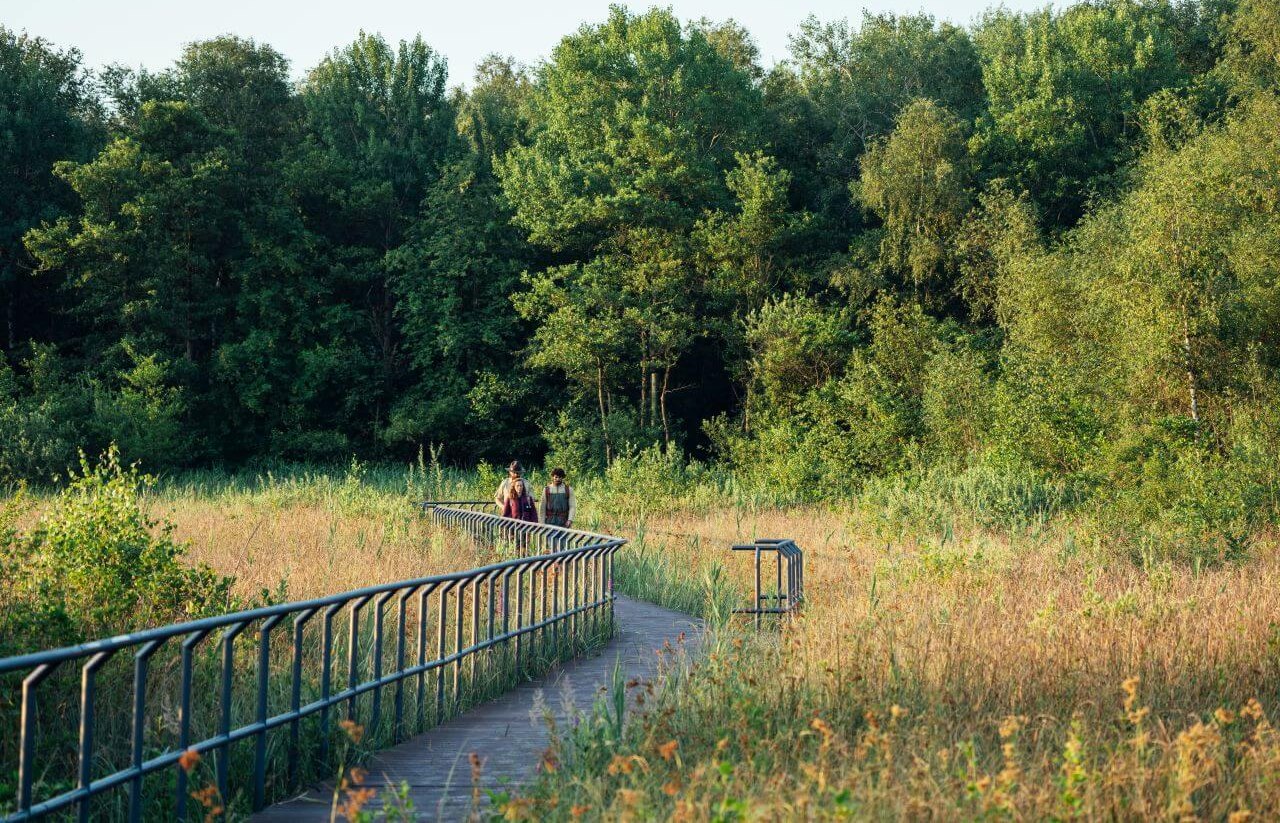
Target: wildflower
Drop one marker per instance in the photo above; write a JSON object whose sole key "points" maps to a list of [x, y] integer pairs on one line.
{"points": [[206, 797], [629, 797], [355, 800], [188, 760], [353, 729], [668, 750], [672, 788], [1010, 726], [1252, 709], [517, 809], [822, 727], [579, 810], [623, 764], [896, 711], [1240, 816], [1224, 716]]}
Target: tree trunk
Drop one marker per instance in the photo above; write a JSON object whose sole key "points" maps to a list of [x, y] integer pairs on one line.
{"points": [[644, 382], [1189, 365], [11, 318], [604, 417], [653, 398], [666, 430], [644, 375]]}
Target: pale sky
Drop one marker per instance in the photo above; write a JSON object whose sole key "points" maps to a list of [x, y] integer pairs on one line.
{"points": [[151, 33]]}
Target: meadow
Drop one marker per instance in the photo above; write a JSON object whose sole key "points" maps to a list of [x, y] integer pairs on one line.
{"points": [[964, 653], [977, 650], [955, 660]]}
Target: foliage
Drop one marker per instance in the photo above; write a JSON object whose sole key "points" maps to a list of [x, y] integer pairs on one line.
{"points": [[1042, 243], [49, 114], [94, 565], [916, 180]]}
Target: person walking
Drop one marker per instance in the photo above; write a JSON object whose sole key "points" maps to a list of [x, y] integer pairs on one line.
{"points": [[514, 472], [519, 504], [558, 501]]}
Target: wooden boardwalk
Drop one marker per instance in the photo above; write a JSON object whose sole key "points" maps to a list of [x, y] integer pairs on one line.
{"points": [[509, 733]]}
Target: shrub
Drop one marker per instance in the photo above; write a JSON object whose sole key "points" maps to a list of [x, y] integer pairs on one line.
{"points": [[1172, 496], [42, 417], [95, 564]]}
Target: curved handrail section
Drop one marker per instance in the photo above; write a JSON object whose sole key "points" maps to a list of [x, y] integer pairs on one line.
{"points": [[421, 643]]}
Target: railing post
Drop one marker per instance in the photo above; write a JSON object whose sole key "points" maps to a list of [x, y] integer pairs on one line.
{"points": [[440, 655], [184, 716], [397, 728], [88, 677], [223, 753], [260, 739], [326, 677], [375, 718], [519, 619], [424, 607], [295, 695], [460, 593]]}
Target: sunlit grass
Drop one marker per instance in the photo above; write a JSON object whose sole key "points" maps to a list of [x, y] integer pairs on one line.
{"points": [[956, 672]]}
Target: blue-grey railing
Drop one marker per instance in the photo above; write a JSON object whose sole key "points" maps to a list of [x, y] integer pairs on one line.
{"points": [[561, 591], [784, 599]]}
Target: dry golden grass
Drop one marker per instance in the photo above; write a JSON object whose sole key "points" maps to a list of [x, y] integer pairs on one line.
{"points": [[310, 540], [978, 674], [1017, 673], [312, 549]]}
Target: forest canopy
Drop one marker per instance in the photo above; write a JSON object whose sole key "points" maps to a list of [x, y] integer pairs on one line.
{"points": [[1044, 245]]}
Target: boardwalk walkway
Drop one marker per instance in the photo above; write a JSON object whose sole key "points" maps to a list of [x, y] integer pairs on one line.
{"points": [[507, 733]]}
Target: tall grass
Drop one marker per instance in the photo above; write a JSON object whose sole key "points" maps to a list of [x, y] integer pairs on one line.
{"points": [[963, 666], [972, 645], [294, 535]]}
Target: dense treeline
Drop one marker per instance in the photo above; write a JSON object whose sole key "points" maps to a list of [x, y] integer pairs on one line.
{"points": [[1044, 247]]}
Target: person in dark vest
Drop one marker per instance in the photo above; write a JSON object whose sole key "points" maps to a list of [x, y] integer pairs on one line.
{"points": [[558, 501]]}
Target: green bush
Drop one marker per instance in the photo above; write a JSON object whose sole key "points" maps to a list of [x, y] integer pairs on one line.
{"points": [[1172, 496], [94, 564], [43, 417]]}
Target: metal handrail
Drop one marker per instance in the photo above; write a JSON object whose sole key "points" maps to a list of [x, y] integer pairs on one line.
{"points": [[455, 504], [785, 600], [577, 565]]}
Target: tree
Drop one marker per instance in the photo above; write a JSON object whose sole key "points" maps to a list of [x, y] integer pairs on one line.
{"points": [[747, 250], [636, 122], [916, 181], [1253, 53], [378, 125], [1065, 91], [48, 114], [182, 225], [454, 278], [859, 79]]}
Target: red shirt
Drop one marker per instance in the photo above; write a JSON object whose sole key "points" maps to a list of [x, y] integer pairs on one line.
{"points": [[520, 509]]}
